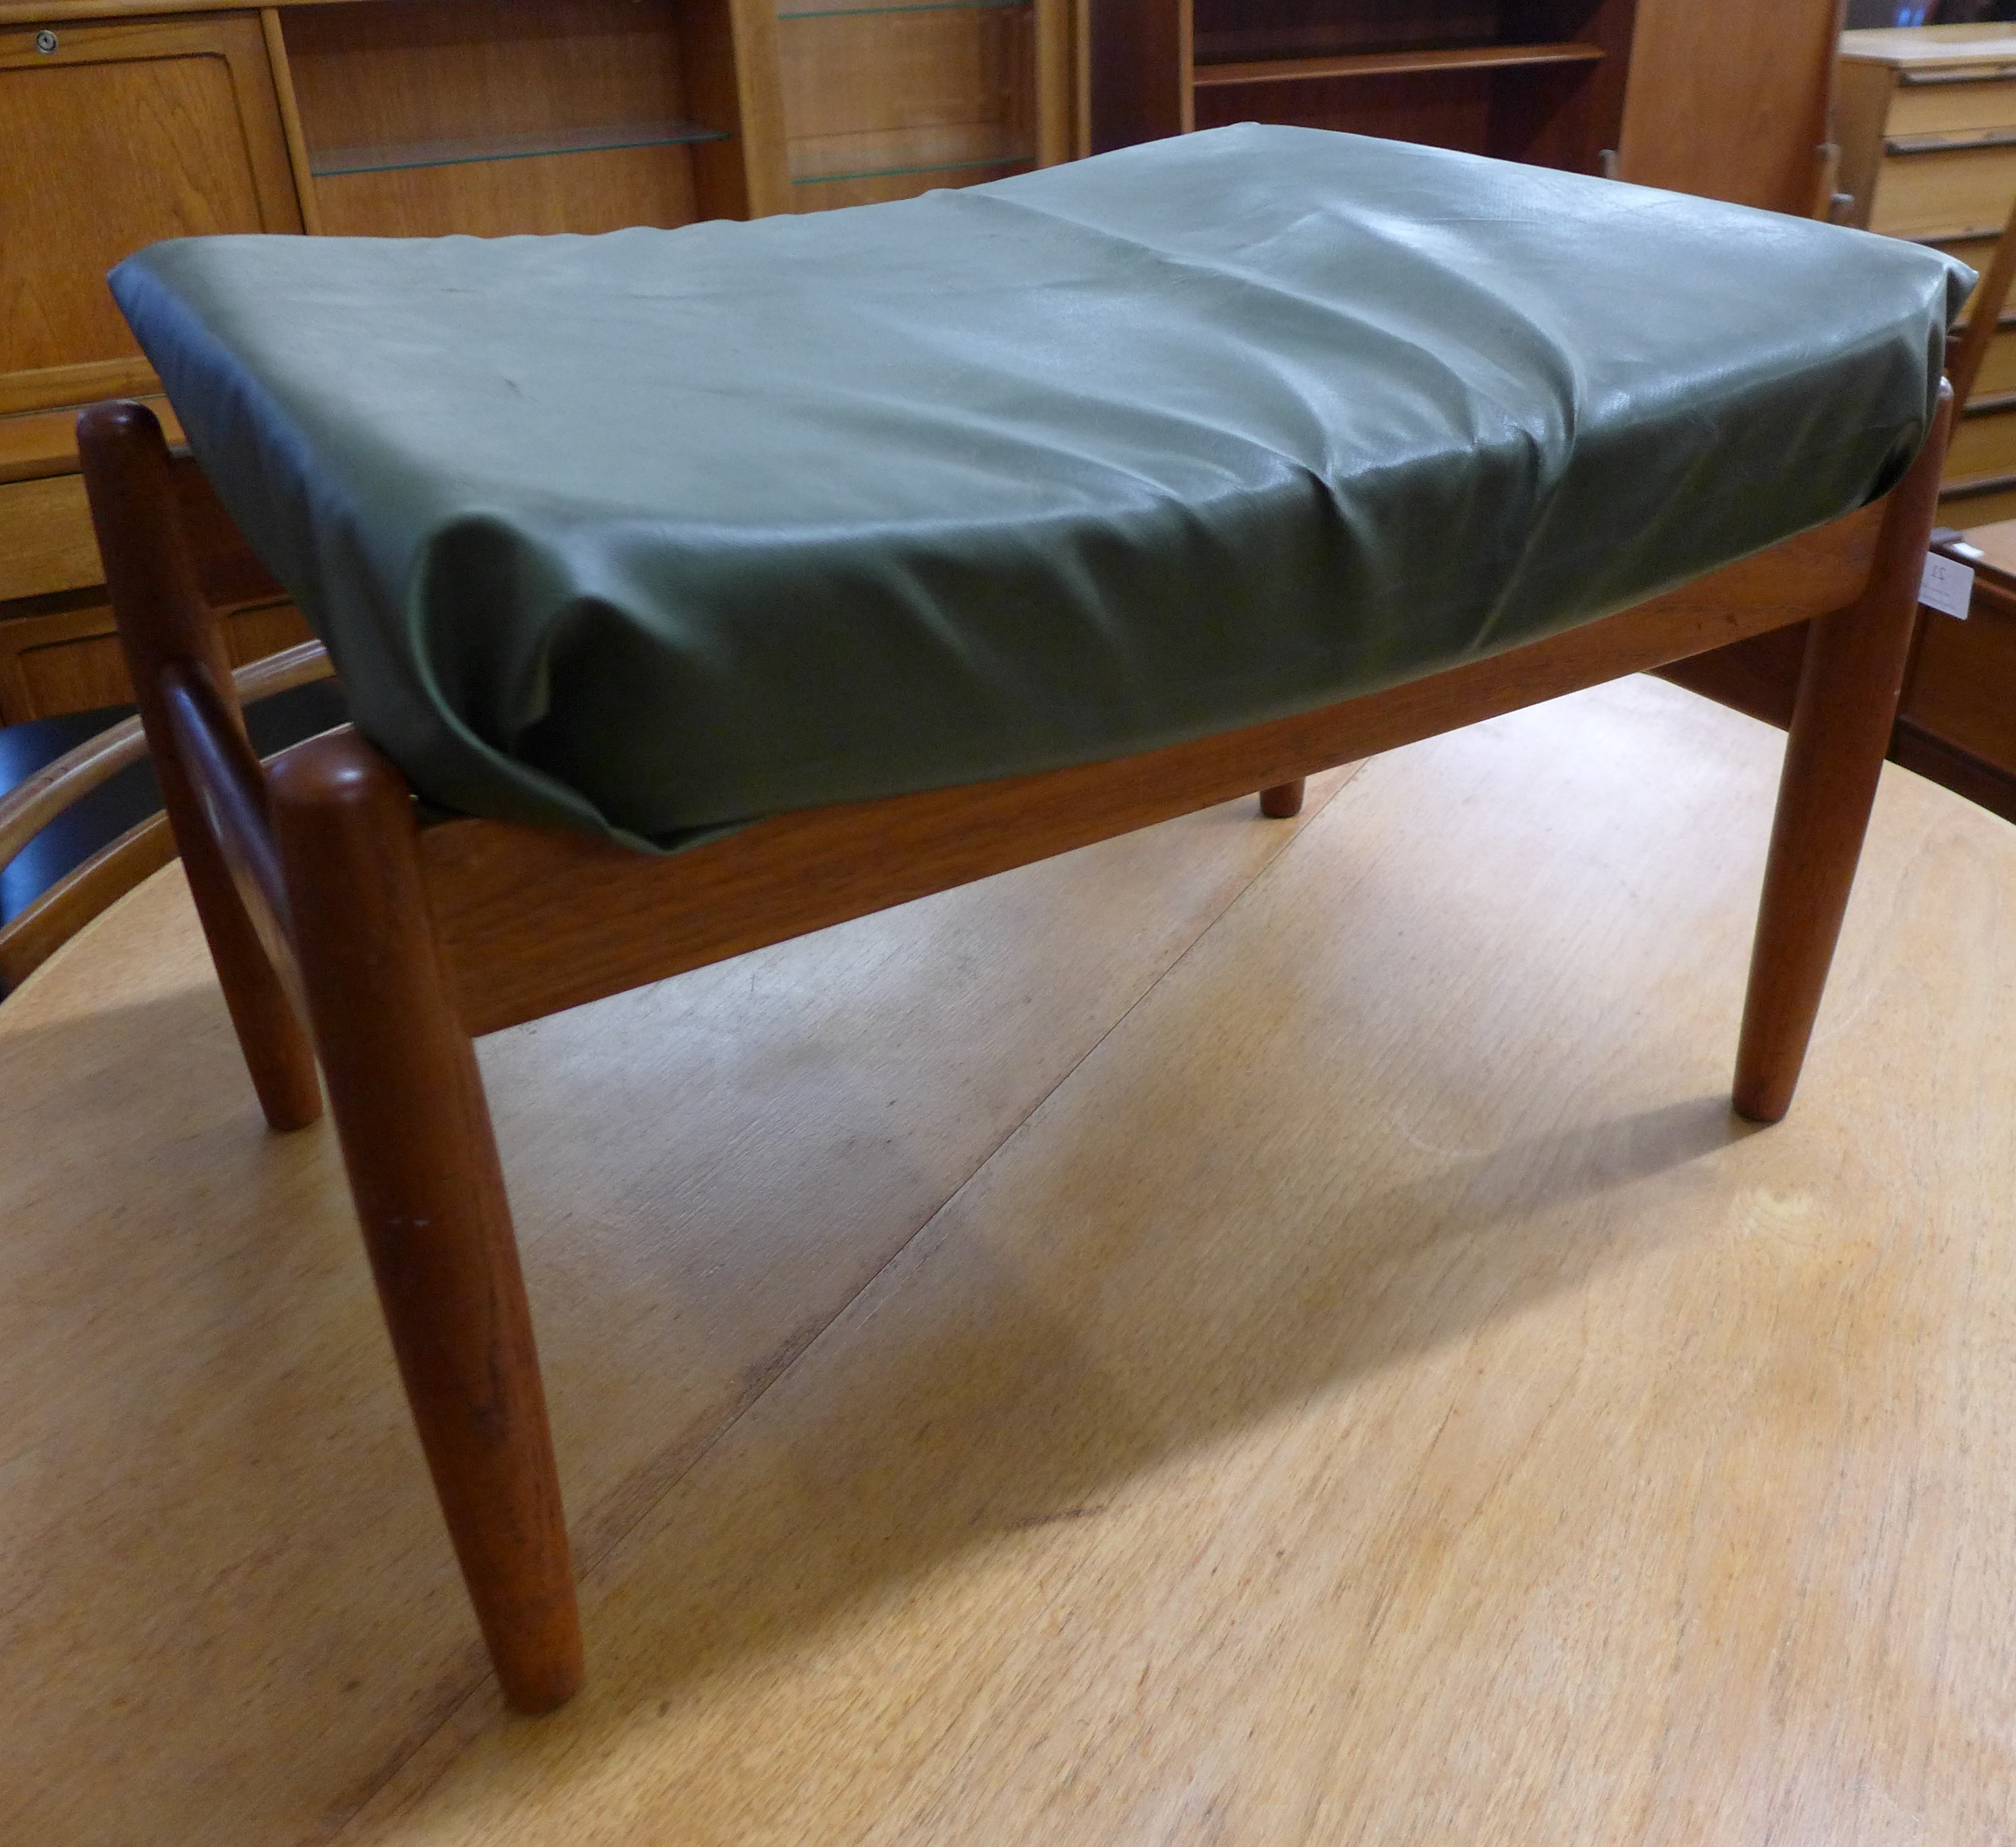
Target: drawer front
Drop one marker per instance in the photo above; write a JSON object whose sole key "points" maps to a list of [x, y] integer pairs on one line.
{"points": [[65, 662], [1968, 511], [69, 661], [1983, 444], [46, 542], [1944, 108], [1962, 684], [1951, 192], [1965, 510], [1976, 253], [1998, 369]]}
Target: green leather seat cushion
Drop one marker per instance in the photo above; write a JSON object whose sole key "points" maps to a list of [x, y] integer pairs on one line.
{"points": [[659, 532]]}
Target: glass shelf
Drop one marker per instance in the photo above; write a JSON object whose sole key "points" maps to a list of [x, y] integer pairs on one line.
{"points": [[790, 12], [392, 156], [822, 179], [884, 153], [1477, 57]]}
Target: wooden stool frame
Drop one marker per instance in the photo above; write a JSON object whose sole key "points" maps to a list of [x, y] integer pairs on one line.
{"points": [[347, 929]]}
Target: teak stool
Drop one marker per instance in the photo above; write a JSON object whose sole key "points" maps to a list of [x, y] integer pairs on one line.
{"points": [[348, 927]]}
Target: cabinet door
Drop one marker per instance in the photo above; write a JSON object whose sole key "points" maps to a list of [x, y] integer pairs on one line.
{"points": [[1730, 99], [116, 136]]}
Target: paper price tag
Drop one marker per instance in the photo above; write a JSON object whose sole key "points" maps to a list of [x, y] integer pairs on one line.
{"points": [[1947, 585]]}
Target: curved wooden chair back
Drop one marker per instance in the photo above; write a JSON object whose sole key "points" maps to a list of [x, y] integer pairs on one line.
{"points": [[228, 577], [29, 937]]}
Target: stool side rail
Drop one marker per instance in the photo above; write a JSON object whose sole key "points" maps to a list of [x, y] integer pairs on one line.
{"points": [[534, 919]]}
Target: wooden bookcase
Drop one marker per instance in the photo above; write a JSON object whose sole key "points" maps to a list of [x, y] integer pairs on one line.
{"points": [[1541, 81], [121, 123]]}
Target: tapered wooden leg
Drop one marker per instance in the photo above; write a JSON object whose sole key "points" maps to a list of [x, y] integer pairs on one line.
{"points": [[1283, 802], [1847, 705], [163, 618], [416, 1139]]}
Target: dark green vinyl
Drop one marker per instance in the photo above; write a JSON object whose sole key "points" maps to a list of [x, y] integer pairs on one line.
{"points": [[659, 532]]}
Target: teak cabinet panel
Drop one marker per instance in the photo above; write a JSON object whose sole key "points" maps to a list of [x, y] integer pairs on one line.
{"points": [[602, 190], [71, 662], [1730, 99], [956, 94], [380, 73], [1959, 688], [119, 135], [49, 544]]}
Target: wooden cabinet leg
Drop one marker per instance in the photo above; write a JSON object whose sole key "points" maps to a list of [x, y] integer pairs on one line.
{"points": [[1848, 687], [1283, 802], [409, 1107]]}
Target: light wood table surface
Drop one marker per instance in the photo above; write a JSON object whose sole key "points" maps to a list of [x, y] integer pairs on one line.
{"points": [[1253, 1333]]}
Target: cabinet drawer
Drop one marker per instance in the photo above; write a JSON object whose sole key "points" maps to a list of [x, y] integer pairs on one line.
{"points": [[1998, 369], [1962, 684], [1984, 445], [1969, 510], [46, 542], [1941, 108], [69, 661], [1948, 192], [1976, 253]]}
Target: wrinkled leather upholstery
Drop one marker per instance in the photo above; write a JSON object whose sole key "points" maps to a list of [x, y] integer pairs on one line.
{"points": [[661, 531]]}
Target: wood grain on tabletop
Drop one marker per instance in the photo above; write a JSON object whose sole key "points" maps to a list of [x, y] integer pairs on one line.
{"points": [[1380, 1396], [1383, 1396], [221, 1568], [1997, 543]]}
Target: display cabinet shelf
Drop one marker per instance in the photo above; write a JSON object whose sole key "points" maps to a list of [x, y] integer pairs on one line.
{"points": [[331, 162], [986, 93], [871, 7], [1539, 80], [999, 162], [1371, 64], [935, 148]]}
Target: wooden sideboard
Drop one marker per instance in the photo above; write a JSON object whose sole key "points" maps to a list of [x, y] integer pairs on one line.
{"points": [[125, 123]]}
